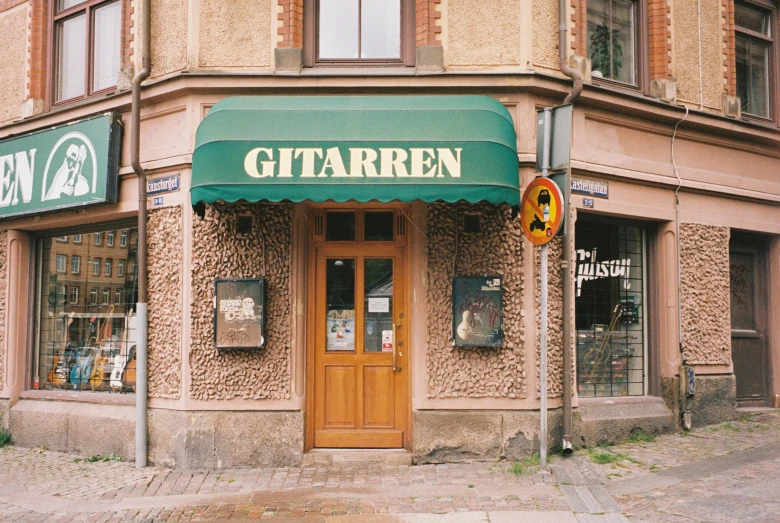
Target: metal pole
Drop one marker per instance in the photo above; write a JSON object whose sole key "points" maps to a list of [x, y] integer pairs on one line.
{"points": [[141, 306], [543, 304]]}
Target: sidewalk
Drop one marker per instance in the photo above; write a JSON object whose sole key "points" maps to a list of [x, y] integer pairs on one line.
{"points": [[729, 472]]}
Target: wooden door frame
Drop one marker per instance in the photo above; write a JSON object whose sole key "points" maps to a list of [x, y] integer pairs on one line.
{"points": [[759, 247], [313, 244]]}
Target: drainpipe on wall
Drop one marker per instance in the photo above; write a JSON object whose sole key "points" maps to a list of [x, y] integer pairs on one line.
{"points": [[141, 307], [566, 254]]}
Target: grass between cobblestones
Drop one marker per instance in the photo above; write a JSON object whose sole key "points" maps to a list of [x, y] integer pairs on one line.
{"points": [[5, 438]]}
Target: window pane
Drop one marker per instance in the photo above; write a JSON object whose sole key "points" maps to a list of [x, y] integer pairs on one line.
{"points": [[378, 303], [610, 310], [71, 57], [340, 227], [67, 4], [759, 81], [380, 29], [611, 39], [107, 53], [623, 41], [338, 29], [751, 19], [81, 334], [379, 226], [340, 295]]}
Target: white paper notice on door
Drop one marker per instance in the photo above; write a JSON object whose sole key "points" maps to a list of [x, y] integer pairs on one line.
{"points": [[379, 305]]}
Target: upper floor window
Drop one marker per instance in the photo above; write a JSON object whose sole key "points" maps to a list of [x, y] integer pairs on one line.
{"points": [[110, 238], [76, 238], [123, 239], [754, 39], [62, 262], [613, 39], [87, 47], [75, 264], [98, 239], [366, 32]]}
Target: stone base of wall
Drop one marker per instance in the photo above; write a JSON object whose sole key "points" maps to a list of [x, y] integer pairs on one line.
{"points": [[224, 439], [715, 400], [4, 406], [82, 428], [615, 421], [446, 436]]}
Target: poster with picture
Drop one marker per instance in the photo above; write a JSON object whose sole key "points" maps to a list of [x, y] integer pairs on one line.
{"points": [[340, 330], [239, 313], [477, 310]]}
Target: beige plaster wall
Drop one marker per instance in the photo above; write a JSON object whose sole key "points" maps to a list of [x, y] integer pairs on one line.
{"points": [[498, 249], [685, 48], [165, 301], [235, 33], [483, 32], [217, 252], [554, 318], [169, 36], [13, 41], [545, 34], [706, 315], [3, 289]]}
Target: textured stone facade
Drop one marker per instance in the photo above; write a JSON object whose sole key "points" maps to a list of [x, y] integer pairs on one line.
{"points": [[470, 23], [248, 22], [13, 28], [706, 316], [218, 252], [554, 319], [497, 249], [3, 288], [165, 301]]}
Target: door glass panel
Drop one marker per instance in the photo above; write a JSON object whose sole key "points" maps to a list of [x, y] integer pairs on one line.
{"points": [[741, 275], [340, 306], [379, 305], [379, 226], [340, 227]]}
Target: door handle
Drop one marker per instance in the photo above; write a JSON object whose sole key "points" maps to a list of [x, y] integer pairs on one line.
{"points": [[396, 368]]}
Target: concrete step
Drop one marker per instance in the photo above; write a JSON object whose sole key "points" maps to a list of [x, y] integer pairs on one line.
{"points": [[329, 457]]}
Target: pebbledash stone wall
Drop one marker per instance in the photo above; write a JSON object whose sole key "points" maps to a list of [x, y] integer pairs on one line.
{"points": [[218, 252], [706, 316], [3, 287], [165, 301], [497, 249], [554, 318]]}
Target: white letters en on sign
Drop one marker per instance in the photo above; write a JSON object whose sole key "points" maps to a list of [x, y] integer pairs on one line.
{"points": [[379, 305]]}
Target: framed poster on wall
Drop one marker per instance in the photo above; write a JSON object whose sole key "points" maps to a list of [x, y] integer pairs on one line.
{"points": [[239, 313], [477, 311]]}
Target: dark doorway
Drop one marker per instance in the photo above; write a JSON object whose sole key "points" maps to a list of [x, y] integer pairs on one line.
{"points": [[748, 320]]}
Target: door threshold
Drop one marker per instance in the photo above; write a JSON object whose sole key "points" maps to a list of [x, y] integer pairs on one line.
{"points": [[326, 457]]}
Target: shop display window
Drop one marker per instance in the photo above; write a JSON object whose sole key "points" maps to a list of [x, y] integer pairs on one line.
{"points": [[610, 301], [84, 344]]}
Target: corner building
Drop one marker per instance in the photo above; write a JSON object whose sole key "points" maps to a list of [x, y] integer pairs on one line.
{"points": [[321, 179]]}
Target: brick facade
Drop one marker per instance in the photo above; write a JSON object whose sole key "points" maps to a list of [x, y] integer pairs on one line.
{"points": [[37, 33], [290, 26], [579, 27], [660, 38], [729, 48], [427, 22]]}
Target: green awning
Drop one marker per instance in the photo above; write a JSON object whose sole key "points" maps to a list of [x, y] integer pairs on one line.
{"points": [[360, 148]]}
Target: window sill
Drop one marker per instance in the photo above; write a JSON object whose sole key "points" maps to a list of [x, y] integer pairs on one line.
{"points": [[618, 400], [330, 70], [103, 398]]}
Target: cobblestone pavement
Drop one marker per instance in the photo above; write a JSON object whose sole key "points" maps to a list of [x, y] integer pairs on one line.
{"points": [[727, 472]]}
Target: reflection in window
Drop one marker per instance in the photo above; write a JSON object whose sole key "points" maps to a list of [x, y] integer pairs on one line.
{"points": [[753, 41], [612, 39], [81, 340], [359, 29]]}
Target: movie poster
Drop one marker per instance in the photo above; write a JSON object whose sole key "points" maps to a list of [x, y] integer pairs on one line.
{"points": [[340, 330], [477, 311], [239, 314]]}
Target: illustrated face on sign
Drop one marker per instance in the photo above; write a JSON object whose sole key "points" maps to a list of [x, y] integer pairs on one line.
{"points": [[75, 156], [248, 307]]}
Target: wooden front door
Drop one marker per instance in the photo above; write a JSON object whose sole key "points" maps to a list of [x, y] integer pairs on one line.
{"points": [[748, 322], [360, 359]]}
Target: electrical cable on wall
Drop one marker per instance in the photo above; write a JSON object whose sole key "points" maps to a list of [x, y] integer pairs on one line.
{"points": [[677, 234]]}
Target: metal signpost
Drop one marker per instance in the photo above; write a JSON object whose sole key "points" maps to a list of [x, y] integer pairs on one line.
{"points": [[542, 212]]}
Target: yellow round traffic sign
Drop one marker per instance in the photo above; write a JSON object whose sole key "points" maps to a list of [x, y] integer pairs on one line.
{"points": [[541, 211]]}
